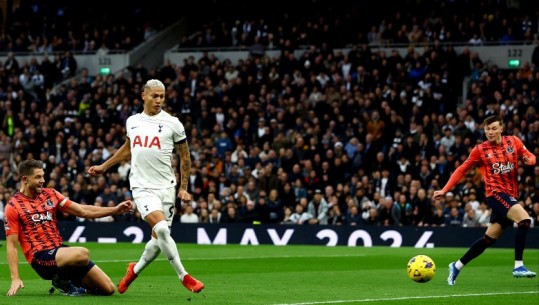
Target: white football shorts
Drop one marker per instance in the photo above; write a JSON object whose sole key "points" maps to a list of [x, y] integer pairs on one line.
{"points": [[150, 200]]}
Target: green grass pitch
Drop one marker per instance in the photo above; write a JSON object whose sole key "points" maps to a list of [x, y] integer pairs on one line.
{"points": [[294, 275]]}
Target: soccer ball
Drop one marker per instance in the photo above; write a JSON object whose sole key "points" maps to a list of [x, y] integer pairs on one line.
{"points": [[421, 269]]}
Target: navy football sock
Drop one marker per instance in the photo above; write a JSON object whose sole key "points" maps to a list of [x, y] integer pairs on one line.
{"points": [[520, 238], [477, 248]]}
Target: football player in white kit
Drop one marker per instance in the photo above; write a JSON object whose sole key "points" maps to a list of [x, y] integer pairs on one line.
{"points": [[151, 137]]}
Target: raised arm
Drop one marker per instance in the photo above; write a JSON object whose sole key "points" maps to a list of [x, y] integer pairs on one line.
{"points": [[123, 153]]}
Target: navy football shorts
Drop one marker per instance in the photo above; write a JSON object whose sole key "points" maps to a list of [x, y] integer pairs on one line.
{"points": [[500, 203], [44, 263]]}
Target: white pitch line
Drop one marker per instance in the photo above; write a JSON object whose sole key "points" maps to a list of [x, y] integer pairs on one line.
{"points": [[268, 257], [412, 297]]}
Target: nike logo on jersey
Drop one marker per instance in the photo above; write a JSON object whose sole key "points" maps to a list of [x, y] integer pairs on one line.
{"points": [[134, 127]]}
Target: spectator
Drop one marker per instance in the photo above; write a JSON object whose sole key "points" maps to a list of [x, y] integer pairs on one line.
{"points": [[99, 202], [318, 207], [422, 208], [215, 216], [233, 97], [402, 211], [373, 218], [230, 216], [247, 213], [438, 219], [274, 206], [470, 219], [300, 216], [335, 216], [188, 215], [238, 153], [483, 214], [353, 216], [67, 65], [223, 144]]}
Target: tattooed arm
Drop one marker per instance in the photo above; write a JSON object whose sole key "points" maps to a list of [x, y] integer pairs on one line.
{"points": [[185, 170]]}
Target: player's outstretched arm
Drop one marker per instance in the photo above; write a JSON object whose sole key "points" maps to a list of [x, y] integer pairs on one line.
{"points": [[123, 153], [91, 211], [458, 174], [438, 195]]}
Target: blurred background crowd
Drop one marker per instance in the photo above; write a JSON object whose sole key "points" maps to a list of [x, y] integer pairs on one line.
{"points": [[364, 136]]}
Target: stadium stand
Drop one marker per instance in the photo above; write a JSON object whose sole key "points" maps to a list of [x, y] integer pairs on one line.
{"points": [[366, 128]]}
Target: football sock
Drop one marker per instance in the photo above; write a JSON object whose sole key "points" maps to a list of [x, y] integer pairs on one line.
{"points": [[519, 264], [151, 251], [520, 238], [477, 248], [168, 247], [459, 265]]}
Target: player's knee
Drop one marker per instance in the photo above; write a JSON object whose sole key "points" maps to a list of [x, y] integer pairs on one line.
{"points": [[524, 224], [489, 240], [109, 289], [82, 256], [161, 229], [105, 289], [152, 246]]}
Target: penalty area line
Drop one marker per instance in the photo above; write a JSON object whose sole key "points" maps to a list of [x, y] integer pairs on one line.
{"points": [[412, 297]]}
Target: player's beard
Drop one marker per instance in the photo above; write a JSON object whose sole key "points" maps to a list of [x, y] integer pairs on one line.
{"points": [[37, 189]]}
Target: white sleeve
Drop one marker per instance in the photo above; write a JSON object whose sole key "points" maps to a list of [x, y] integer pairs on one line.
{"points": [[179, 131]]}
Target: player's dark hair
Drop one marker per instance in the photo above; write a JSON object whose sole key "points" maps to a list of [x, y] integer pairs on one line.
{"points": [[491, 119], [27, 167]]}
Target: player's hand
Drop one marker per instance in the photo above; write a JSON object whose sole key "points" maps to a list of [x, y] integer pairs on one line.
{"points": [[96, 170], [438, 195], [124, 207], [526, 160], [15, 286], [184, 195]]}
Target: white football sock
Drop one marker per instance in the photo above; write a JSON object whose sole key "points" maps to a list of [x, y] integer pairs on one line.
{"points": [[151, 251], [519, 264], [168, 247], [459, 265]]}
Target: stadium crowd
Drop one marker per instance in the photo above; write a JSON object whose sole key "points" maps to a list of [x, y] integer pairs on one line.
{"points": [[40, 27], [355, 138]]}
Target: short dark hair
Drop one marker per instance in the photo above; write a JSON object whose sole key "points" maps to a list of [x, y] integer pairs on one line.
{"points": [[27, 167], [493, 118]]}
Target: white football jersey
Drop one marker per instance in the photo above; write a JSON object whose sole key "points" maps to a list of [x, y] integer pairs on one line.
{"points": [[152, 141]]}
